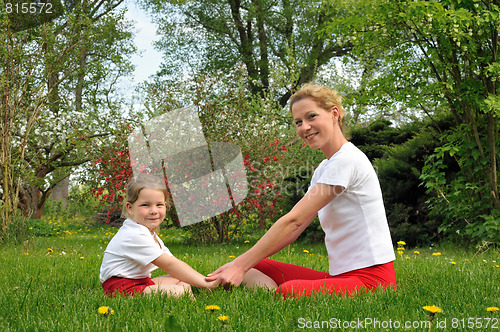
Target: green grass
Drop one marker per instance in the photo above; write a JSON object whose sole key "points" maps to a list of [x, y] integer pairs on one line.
{"points": [[60, 290]]}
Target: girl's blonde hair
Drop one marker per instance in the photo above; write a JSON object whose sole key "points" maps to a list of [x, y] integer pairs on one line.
{"points": [[137, 184], [323, 97]]}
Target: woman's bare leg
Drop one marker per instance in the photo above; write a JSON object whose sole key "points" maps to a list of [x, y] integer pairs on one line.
{"points": [[255, 279]]}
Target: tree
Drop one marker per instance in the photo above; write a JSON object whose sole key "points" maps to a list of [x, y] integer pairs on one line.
{"points": [[277, 42], [442, 56], [22, 97], [70, 83]]}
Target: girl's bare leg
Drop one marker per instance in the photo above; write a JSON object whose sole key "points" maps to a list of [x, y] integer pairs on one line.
{"points": [[170, 286], [254, 279]]}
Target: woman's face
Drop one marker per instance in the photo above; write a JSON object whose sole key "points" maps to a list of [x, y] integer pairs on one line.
{"points": [[314, 124], [149, 209]]}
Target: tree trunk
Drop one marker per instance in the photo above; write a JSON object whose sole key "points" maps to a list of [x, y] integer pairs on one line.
{"points": [[28, 198], [60, 192]]}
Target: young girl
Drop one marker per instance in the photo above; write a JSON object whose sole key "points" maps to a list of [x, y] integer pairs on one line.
{"points": [[136, 250], [345, 194]]}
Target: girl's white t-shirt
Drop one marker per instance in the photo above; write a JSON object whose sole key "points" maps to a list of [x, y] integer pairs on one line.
{"points": [[130, 252], [356, 230]]}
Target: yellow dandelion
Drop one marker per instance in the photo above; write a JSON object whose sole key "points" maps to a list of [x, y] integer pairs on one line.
{"points": [[105, 311], [453, 263], [49, 250], [436, 254], [247, 241], [407, 257], [81, 257], [401, 243], [401, 249], [212, 307], [26, 253], [305, 251], [232, 256], [223, 318], [416, 252], [433, 309], [492, 309]]}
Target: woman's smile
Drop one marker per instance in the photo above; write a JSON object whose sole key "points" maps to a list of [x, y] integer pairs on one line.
{"points": [[309, 137]]}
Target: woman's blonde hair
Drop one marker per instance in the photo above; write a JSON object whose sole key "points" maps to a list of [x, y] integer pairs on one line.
{"points": [[137, 184], [322, 96]]}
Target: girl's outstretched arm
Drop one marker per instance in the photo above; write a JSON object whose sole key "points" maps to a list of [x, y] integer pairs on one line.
{"points": [[182, 271], [282, 233]]}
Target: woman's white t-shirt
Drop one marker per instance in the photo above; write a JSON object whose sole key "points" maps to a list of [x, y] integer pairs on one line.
{"points": [[356, 230], [130, 252]]}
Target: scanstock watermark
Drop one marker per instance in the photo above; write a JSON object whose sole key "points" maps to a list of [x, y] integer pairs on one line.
{"points": [[469, 323], [361, 323], [204, 179]]}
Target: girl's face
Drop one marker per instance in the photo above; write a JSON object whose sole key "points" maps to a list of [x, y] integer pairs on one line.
{"points": [[149, 209], [314, 124]]}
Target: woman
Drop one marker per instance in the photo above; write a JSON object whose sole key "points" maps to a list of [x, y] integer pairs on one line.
{"points": [[346, 196]]}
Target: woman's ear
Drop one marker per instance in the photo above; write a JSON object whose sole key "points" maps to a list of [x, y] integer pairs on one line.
{"points": [[335, 113]]}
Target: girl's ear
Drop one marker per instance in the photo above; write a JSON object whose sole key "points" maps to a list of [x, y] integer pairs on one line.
{"points": [[128, 206]]}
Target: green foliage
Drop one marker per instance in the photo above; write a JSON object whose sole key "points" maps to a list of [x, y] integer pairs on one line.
{"points": [[39, 227], [376, 138], [460, 200], [404, 197], [80, 202], [58, 97], [441, 57], [16, 231], [277, 42], [398, 155]]}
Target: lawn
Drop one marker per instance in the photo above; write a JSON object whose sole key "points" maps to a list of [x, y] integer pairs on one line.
{"points": [[50, 283]]}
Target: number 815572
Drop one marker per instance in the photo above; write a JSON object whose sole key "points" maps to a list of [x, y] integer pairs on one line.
{"points": [[475, 323], [37, 7]]}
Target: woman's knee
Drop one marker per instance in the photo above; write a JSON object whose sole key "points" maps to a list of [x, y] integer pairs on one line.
{"points": [[255, 278]]}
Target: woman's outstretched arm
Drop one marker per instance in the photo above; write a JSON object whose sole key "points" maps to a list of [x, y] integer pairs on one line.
{"points": [[282, 233]]}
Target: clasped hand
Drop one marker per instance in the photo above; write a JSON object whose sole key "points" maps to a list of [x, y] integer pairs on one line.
{"points": [[227, 275]]}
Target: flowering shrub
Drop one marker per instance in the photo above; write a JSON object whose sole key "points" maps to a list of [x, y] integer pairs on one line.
{"points": [[247, 123], [108, 175]]}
